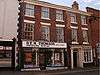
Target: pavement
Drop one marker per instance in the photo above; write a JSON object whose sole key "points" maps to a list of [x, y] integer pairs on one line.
{"points": [[49, 72]]}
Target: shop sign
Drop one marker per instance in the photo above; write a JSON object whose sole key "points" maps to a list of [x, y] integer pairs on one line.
{"points": [[1, 47], [29, 44], [8, 48], [43, 44]]}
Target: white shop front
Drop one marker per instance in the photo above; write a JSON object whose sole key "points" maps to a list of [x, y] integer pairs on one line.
{"points": [[50, 54]]}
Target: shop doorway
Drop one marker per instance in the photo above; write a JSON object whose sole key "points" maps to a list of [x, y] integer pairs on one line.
{"points": [[45, 57]]}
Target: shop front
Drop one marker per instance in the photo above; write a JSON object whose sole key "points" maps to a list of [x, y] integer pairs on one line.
{"points": [[47, 54], [7, 54]]}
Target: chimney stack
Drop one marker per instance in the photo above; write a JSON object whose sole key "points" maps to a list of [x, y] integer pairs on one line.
{"points": [[75, 5]]}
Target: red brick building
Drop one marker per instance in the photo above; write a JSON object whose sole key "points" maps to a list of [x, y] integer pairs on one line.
{"points": [[95, 30], [54, 35]]}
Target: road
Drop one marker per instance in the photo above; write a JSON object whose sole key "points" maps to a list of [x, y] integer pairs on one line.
{"points": [[90, 72]]}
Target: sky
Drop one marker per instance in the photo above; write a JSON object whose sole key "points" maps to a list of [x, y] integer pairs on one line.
{"points": [[82, 3]]}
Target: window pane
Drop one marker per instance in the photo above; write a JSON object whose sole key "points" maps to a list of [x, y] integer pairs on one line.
{"points": [[60, 34], [85, 36], [83, 19], [45, 33], [28, 30], [29, 10], [73, 17], [45, 12], [74, 35], [87, 55], [59, 15]]}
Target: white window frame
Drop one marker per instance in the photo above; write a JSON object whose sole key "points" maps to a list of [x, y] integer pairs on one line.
{"points": [[83, 20], [73, 18], [85, 37], [28, 31], [44, 13], [29, 11], [60, 35], [47, 33], [28, 27], [74, 33], [88, 58], [59, 15]]}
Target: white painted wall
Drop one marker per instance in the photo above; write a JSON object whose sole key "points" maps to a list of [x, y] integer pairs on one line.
{"points": [[8, 18]]}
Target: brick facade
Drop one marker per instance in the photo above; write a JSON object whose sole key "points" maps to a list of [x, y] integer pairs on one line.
{"points": [[77, 47], [94, 23], [95, 32]]}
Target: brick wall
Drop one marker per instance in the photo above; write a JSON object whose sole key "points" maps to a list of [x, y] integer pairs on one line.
{"points": [[95, 26]]}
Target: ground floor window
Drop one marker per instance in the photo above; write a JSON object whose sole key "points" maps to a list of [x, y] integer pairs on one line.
{"points": [[87, 55], [43, 56], [57, 56], [5, 56], [29, 59]]}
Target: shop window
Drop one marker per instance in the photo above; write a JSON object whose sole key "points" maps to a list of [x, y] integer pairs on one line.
{"points": [[28, 57], [34, 58], [6, 53], [45, 33], [45, 12], [57, 56], [60, 34], [29, 10], [59, 15]]}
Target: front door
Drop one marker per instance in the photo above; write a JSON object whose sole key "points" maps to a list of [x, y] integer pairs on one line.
{"points": [[75, 59]]}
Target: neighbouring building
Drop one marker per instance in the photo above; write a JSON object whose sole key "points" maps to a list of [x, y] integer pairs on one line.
{"points": [[8, 31], [8, 19], [54, 36], [95, 32]]}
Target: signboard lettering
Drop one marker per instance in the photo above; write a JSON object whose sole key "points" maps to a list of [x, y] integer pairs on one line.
{"points": [[43, 44]]}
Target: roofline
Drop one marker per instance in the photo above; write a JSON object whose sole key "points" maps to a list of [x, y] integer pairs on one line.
{"points": [[47, 4], [92, 8]]}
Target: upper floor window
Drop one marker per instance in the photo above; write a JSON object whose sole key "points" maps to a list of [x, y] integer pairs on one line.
{"points": [[85, 36], [45, 33], [74, 35], [83, 20], [29, 10], [73, 18], [28, 27], [59, 15], [28, 31], [60, 34], [45, 12], [28, 35]]}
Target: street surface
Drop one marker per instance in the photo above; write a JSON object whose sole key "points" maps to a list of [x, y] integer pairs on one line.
{"points": [[94, 72], [84, 72]]}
